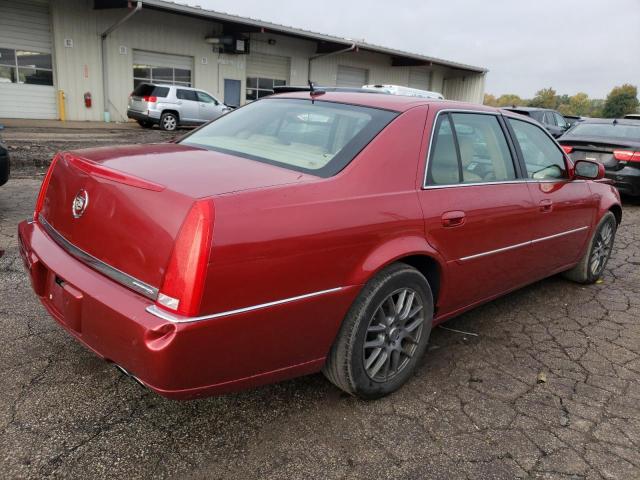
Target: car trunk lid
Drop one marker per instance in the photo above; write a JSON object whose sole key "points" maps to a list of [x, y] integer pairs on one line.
{"points": [[601, 152], [124, 206]]}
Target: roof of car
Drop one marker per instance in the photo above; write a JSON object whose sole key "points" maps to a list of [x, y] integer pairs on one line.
{"points": [[616, 121], [398, 103], [528, 109]]}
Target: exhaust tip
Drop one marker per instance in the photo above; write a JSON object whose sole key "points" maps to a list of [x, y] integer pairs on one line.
{"points": [[126, 373]]}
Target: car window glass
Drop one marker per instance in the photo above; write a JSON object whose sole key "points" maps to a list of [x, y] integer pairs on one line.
{"points": [[186, 95], [542, 157], [548, 119], [205, 97], [484, 152], [560, 121], [443, 159]]}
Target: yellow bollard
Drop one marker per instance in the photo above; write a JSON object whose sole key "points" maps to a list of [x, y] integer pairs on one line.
{"points": [[61, 97]]}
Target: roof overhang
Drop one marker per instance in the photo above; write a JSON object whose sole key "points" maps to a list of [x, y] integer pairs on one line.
{"points": [[325, 43]]}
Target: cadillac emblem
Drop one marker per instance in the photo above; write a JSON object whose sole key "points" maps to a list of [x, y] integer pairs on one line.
{"points": [[80, 203]]}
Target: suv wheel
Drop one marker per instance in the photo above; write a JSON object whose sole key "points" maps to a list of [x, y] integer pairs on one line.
{"points": [[384, 335], [169, 121]]}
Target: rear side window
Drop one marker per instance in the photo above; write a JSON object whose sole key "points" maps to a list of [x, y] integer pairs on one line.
{"points": [[469, 148], [148, 90], [182, 94], [543, 158]]}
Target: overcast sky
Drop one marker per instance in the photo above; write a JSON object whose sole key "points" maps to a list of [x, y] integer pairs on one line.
{"points": [[571, 45]]}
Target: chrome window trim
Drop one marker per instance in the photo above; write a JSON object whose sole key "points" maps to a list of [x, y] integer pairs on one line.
{"points": [[524, 244], [113, 273], [433, 129], [174, 318]]}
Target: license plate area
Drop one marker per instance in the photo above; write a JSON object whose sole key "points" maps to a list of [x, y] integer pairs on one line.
{"points": [[66, 300]]}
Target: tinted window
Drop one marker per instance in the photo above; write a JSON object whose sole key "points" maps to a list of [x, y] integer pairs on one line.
{"points": [[186, 95], [628, 132], [560, 121], [146, 90], [320, 138], [205, 97], [444, 168], [548, 118], [542, 157], [482, 154]]}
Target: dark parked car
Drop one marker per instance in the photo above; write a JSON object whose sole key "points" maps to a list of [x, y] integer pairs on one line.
{"points": [[614, 143], [572, 119], [308, 232], [550, 119], [4, 165]]}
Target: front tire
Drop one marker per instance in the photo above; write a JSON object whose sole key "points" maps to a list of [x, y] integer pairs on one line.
{"points": [[384, 335], [169, 121], [592, 264]]}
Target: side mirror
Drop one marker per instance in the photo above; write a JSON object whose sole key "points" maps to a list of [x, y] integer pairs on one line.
{"points": [[587, 170]]}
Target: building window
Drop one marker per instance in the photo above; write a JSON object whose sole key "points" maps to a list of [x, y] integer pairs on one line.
{"points": [[166, 75], [23, 66], [261, 87]]}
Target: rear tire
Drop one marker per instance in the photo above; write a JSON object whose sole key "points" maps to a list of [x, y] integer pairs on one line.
{"points": [[594, 261], [169, 121], [384, 334]]}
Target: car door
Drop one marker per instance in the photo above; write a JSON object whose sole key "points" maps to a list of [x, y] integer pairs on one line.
{"points": [[209, 107], [188, 105], [565, 208], [562, 123], [550, 123], [477, 208]]}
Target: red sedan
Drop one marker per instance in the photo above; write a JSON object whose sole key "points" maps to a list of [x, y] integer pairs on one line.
{"points": [[305, 232]]}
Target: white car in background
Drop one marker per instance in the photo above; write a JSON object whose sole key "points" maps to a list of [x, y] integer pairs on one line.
{"points": [[404, 91]]}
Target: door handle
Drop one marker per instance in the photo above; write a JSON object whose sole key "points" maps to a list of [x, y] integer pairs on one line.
{"points": [[545, 205], [454, 218]]}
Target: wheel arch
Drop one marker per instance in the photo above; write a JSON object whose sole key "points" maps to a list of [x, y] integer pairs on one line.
{"points": [[414, 251], [617, 212], [169, 110]]}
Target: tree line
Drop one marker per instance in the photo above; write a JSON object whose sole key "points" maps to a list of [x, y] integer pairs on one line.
{"points": [[620, 101]]}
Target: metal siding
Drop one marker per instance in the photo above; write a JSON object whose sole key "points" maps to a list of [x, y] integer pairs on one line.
{"points": [[162, 60], [351, 76], [469, 88], [26, 26], [419, 78], [268, 66]]}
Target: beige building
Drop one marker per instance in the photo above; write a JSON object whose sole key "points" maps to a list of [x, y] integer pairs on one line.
{"points": [[102, 48]]}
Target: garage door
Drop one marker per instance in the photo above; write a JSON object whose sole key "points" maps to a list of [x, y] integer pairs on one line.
{"points": [[419, 79], [351, 76], [264, 72], [26, 69], [162, 68]]}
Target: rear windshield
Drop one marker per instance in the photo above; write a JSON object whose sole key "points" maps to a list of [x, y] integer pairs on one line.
{"points": [[147, 90], [318, 137], [607, 130]]}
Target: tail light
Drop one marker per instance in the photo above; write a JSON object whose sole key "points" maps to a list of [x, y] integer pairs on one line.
{"points": [[183, 284], [567, 148], [626, 155], [43, 187], [150, 98]]}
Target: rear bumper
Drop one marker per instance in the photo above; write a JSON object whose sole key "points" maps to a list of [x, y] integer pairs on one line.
{"points": [[149, 116], [626, 180], [179, 360]]}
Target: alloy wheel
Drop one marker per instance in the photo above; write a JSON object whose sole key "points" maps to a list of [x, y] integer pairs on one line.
{"points": [[393, 334], [169, 122], [601, 249]]}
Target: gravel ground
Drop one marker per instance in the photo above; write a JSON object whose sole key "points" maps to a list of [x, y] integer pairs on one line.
{"points": [[549, 388]]}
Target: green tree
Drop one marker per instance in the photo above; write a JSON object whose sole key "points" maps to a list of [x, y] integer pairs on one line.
{"points": [[620, 101], [508, 100], [545, 98], [490, 100]]}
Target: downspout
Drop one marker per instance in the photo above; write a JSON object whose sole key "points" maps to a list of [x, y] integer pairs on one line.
{"points": [[352, 48], [103, 49]]}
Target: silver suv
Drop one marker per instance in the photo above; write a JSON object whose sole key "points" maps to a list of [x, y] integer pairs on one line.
{"points": [[172, 105]]}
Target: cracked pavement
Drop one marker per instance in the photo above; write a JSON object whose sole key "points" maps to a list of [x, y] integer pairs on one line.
{"points": [[474, 408]]}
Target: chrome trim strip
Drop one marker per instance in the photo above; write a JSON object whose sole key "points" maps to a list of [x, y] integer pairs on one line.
{"points": [[113, 273], [561, 234], [499, 250], [163, 314], [524, 244]]}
